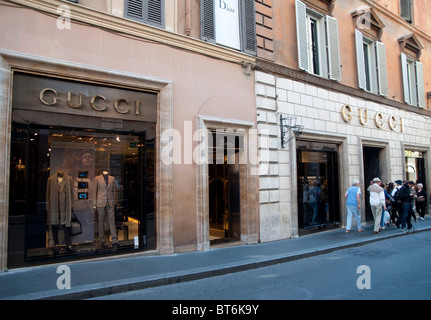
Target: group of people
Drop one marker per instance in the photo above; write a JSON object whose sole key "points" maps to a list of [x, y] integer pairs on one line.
{"points": [[394, 203]]}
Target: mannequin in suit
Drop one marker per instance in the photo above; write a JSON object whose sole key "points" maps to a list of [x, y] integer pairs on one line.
{"points": [[105, 189]]}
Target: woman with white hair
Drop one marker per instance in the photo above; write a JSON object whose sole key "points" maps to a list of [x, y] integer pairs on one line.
{"points": [[421, 201], [353, 204]]}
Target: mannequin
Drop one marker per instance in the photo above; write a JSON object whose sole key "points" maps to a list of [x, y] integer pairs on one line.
{"points": [[105, 190], [59, 207]]}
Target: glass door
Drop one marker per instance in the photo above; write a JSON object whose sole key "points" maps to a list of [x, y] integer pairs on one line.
{"points": [[318, 191], [224, 189]]}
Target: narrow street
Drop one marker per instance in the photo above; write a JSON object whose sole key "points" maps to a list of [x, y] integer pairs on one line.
{"points": [[398, 270]]}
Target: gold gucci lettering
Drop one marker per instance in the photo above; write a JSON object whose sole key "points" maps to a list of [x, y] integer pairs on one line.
{"points": [[50, 97], [379, 118]]}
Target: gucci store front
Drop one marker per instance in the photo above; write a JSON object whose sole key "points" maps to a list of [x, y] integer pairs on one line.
{"points": [[82, 169]]}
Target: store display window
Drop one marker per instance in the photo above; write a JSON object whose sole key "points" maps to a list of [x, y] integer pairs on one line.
{"points": [[79, 192]]}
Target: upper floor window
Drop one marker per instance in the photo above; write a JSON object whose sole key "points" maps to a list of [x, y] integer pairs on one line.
{"points": [[371, 64], [412, 70], [413, 81], [147, 11], [318, 47], [406, 10], [231, 23]]}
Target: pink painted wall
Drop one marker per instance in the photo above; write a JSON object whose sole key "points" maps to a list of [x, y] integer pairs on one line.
{"points": [[195, 80]]}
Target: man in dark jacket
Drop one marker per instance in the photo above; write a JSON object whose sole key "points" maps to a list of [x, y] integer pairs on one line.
{"points": [[407, 196]]}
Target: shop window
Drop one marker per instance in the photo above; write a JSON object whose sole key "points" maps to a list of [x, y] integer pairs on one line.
{"points": [[231, 23], [78, 192], [318, 46], [147, 11], [415, 166]]}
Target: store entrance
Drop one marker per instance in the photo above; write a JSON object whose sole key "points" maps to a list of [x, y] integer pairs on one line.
{"points": [[318, 189], [415, 167], [372, 170], [77, 193], [224, 189]]}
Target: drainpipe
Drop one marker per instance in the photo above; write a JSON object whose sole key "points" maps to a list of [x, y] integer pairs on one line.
{"points": [[188, 17]]}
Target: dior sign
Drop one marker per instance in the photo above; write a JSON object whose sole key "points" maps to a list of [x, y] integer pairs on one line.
{"points": [[227, 23], [39, 93], [379, 119]]}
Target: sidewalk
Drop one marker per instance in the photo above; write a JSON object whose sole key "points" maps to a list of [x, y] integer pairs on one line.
{"points": [[125, 273]]}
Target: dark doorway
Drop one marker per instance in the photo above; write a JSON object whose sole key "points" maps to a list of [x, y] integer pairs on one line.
{"points": [[224, 189], [371, 170], [318, 188]]}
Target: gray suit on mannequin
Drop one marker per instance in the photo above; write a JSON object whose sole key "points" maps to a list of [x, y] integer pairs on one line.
{"points": [[105, 189]]}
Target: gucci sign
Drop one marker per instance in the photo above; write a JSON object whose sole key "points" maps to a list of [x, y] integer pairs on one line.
{"points": [[48, 94], [380, 120]]}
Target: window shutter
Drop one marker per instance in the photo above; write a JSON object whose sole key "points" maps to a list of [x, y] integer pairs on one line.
{"points": [[405, 78], [155, 12], [135, 10], [406, 10], [301, 33], [208, 21], [333, 48], [248, 26], [420, 84], [382, 77], [146, 11], [360, 60]]}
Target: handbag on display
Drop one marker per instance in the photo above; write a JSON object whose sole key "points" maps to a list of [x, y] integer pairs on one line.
{"points": [[76, 225]]}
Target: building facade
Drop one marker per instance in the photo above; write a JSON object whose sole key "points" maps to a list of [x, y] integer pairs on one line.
{"points": [[125, 128], [144, 126], [342, 94]]}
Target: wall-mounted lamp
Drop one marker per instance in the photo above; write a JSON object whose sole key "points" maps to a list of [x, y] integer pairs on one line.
{"points": [[288, 125]]}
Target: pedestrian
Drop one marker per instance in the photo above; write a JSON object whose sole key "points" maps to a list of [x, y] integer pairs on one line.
{"points": [[314, 196], [353, 205], [386, 214], [421, 201], [407, 196], [397, 209], [390, 187], [377, 202]]}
